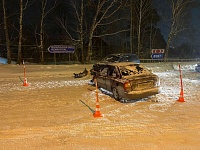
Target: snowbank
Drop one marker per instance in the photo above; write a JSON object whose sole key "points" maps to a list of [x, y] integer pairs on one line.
{"points": [[4, 61]]}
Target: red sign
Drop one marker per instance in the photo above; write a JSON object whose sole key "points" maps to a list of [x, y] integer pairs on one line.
{"points": [[156, 51]]}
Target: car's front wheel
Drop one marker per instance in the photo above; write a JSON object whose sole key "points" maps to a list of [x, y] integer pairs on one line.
{"points": [[115, 94]]}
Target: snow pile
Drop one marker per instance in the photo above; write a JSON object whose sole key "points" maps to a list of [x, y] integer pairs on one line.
{"points": [[184, 67], [4, 61]]}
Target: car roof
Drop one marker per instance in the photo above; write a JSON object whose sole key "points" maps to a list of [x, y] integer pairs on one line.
{"points": [[120, 54], [122, 64]]}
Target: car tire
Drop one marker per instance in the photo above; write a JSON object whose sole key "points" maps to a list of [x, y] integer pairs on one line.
{"points": [[115, 94]]}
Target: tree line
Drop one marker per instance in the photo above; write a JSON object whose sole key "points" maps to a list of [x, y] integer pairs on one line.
{"points": [[121, 25]]}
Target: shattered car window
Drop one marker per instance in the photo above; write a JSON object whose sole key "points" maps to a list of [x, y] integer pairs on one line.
{"points": [[135, 69], [129, 58], [104, 72]]}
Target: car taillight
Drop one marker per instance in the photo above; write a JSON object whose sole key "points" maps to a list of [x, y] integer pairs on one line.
{"points": [[127, 86]]}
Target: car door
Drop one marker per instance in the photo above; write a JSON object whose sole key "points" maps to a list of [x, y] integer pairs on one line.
{"points": [[111, 78], [101, 79]]}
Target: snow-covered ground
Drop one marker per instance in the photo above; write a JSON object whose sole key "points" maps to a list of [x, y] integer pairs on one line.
{"points": [[48, 113]]}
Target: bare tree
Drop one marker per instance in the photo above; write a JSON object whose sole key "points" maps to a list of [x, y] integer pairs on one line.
{"points": [[143, 9], [22, 7], [81, 31], [179, 19], [20, 32], [6, 33], [89, 15], [78, 34], [44, 12], [131, 26], [104, 11]]}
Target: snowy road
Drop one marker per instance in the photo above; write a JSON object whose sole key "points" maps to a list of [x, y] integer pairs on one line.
{"points": [[48, 114]]}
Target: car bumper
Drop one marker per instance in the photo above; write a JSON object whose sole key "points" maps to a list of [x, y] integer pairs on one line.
{"points": [[142, 93]]}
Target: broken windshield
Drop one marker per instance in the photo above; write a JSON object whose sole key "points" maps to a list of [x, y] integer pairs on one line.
{"points": [[135, 69]]}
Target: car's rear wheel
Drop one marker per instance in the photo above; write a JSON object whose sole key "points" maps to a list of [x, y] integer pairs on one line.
{"points": [[115, 94]]}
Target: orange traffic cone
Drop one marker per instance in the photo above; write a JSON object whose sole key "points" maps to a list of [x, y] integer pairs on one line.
{"points": [[181, 98], [97, 113], [25, 82]]}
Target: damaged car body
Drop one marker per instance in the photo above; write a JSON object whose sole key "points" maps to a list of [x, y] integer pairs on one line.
{"points": [[128, 81], [114, 58]]}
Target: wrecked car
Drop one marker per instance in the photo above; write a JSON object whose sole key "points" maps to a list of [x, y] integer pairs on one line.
{"points": [[128, 81], [114, 58]]}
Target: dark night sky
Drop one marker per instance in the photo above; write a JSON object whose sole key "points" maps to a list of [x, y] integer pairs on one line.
{"points": [[194, 27]]}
